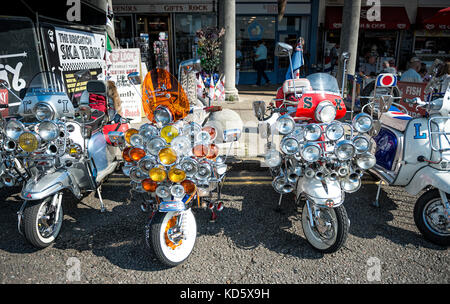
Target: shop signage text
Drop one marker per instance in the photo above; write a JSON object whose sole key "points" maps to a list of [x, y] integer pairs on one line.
{"points": [[165, 8], [410, 90]]}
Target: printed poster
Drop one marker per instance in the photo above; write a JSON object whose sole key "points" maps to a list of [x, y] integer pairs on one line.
{"points": [[121, 62], [69, 51]]}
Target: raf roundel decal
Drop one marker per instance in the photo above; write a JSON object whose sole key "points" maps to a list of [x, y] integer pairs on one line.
{"points": [[386, 80]]}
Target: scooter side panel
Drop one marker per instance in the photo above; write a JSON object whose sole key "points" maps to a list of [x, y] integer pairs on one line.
{"points": [[428, 176]]}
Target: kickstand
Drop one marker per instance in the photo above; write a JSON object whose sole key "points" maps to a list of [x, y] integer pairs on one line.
{"points": [[278, 208], [102, 206], [376, 203]]}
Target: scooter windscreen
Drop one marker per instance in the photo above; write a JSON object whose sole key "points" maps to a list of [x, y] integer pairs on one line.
{"points": [[163, 99], [46, 82]]}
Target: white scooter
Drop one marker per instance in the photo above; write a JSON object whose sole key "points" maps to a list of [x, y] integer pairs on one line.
{"points": [[414, 152]]}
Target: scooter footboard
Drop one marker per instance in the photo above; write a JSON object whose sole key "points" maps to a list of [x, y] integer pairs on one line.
{"points": [[329, 195], [48, 184], [429, 176]]}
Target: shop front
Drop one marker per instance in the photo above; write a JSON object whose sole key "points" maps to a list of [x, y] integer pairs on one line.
{"points": [[388, 39], [258, 21], [432, 35], [165, 33]]}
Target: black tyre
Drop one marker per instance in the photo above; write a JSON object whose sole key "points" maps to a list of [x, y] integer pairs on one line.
{"points": [[40, 225], [430, 218], [169, 251], [326, 239]]}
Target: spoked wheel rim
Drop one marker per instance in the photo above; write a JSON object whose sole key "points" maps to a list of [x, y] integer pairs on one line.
{"points": [[434, 217], [46, 225], [176, 248], [324, 233]]}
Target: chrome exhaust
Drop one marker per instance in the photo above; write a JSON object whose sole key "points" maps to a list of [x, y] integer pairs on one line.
{"points": [[333, 176], [52, 149], [343, 171]]}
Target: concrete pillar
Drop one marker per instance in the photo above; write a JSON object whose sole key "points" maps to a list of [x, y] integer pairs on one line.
{"points": [[229, 54], [349, 35]]}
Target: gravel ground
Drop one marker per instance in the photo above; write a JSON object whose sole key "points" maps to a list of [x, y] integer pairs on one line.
{"points": [[249, 243]]}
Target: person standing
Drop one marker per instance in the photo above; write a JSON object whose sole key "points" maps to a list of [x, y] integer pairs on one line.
{"points": [[261, 62], [412, 74]]}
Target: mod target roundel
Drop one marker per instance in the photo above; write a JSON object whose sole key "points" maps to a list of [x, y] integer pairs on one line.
{"points": [[386, 80]]}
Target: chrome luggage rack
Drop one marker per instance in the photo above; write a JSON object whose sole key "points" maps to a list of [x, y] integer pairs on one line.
{"points": [[437, 146]]}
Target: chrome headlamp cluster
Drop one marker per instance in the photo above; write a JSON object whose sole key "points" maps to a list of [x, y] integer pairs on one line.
{"points": [[172, 160], [328, 150]]}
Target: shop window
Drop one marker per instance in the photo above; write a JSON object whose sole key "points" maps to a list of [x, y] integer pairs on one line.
{"points": [[124, 30], [186, 26], [250, 29]]}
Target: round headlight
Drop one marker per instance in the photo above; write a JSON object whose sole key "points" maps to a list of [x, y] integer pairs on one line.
{"points": [[169, 133], [137, 175], [203, 171], [191, 129], [167, 156], [366, 161], [361, 143], [202, 137], [136, 153], [344, 150], [48, 130], [298, 133], [325, 111], [157, 174], [285, 124], [334, 131], [289, 145], [189, 166], [148, 131], [126, 155], [177, 175], [14, 128], [146, 163], [44, 112], [181, 145], [149, 185], [162, 115], [273, 158], [200, 150], [311, 152], [189, 186], [137, 140], [163, 191], [177, 190], [211, 130], [213, 151], [129, 133], [155, 145], [362, 122], [312, 132], [29, 141]]}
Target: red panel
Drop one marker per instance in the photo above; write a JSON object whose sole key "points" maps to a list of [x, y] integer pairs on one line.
{"points": [[392, 18]]}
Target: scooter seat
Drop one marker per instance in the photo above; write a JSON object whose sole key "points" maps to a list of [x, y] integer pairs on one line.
{"points": [[395, 119]]}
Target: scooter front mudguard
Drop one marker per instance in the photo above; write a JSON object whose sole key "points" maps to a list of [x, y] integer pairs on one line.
{"points": [[49, 184], [428, 176], [324, 193]]}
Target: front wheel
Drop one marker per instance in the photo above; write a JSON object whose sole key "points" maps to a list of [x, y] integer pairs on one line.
{"points": [[430, 218], [330, 227], [42, 222], [171, 236]]}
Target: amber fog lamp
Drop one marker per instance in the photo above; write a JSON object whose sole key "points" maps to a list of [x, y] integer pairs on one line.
{"points": [[167, 156], [211, 130], [213, 151], [149, 185], [200, 150], [129, 133], [189, 186], [157, 174], [169, 133], [136, 154], [126, 154], [177, 175]]}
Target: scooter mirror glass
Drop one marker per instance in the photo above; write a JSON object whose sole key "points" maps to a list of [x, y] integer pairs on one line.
{"points": [[283, 49], [162, 90], [191, 64], [345, 56], [134, 78]]}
